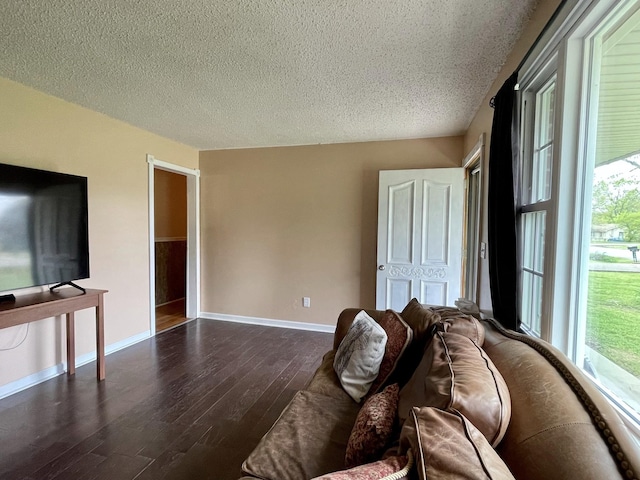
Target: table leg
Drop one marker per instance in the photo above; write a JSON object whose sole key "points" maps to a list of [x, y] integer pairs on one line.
{"points": [[100, 337], [71, 344]]}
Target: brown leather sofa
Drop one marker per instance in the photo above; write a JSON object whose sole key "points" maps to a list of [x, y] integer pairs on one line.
{"points": [[561, 426]]}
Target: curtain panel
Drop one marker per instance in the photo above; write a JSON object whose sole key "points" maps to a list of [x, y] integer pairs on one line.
{"points": [[503, 276]]}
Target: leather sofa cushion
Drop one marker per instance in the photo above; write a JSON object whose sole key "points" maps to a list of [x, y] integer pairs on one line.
{"points": [[455, 373], [308, 440], [453, 321], [420, 318], [447, 445], [423, 320], [326, 382]]}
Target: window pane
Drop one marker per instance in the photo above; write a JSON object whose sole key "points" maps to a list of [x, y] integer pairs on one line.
{"points": [[533, 240], [612, 303], [533, 231], [546, 102], [539, 187], [540, 219], [613, 300], [537, 310], [528, 244], [543, 163], [527, 294], [531, 308]]}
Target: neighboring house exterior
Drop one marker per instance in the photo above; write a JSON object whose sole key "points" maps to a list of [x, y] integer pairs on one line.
{"points": [[607, 232]]}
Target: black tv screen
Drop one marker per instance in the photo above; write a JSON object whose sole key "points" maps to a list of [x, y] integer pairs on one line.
{"points": [[44, 234]]}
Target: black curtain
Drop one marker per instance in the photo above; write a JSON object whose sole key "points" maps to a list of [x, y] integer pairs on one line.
{"points": [[503, 274]]}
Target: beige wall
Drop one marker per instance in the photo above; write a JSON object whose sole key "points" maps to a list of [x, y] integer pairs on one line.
{"points": [[282, 223], [170, 205], [40, 131], [484, 117]]}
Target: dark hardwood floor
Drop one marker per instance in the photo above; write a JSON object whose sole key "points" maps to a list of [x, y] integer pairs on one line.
{"points": [[190, 403]]}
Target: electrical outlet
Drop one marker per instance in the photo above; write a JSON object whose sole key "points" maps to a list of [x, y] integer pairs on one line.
{"points": [[483, 250], [306, 302]]}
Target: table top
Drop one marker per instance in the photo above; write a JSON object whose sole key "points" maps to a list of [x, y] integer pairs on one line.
{"points": [[47, 297]]}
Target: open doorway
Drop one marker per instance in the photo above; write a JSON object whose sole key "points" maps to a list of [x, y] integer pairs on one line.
{"points": [[173, 250], [170, 238]]}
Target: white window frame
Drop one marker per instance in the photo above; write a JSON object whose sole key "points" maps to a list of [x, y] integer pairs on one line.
{"points": [[534, 83], [598, 22]]}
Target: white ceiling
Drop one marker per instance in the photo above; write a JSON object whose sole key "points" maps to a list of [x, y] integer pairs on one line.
{"points": [[246, 73]]}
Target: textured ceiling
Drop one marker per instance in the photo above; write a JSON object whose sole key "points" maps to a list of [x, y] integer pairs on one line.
{"points": [[245, 73]]}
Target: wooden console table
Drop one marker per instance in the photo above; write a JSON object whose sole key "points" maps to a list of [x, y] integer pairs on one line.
{"points": [[37, 306]]}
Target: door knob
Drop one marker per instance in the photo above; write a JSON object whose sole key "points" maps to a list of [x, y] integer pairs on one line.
{"points": [[381, 267]]}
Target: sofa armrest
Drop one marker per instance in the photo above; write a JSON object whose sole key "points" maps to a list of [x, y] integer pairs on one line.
{"points": [[561, 426]]}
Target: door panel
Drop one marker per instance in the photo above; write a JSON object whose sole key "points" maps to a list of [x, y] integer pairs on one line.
{"points": [[401, 223], [398, 290], [433, 293], [435, 209], [419, 237]]}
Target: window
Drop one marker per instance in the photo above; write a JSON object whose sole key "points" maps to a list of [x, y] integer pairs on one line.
{"points": [[579, 194], [538, 108], [609, 304]]}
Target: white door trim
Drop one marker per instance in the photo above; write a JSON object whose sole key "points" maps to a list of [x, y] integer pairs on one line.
{"points": [[473, 160], [193, 238]]}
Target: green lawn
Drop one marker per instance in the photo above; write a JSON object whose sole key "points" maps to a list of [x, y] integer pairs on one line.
{"points": [[603, 257], [613, 317]]}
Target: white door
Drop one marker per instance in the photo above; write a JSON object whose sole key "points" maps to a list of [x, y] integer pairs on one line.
{"points": [[420, 215]]}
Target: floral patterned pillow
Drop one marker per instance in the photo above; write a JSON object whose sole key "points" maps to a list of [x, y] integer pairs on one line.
{"points": [[379, 470], [399, 336], [373, 427]]}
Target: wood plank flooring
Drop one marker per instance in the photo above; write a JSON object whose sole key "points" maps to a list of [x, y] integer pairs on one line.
{"points": [[190, 403], [170, 315]]}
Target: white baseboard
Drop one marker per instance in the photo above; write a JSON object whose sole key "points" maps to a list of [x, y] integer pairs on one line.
{"points": [[268, 322], [31, 380], [48, 373], [114, 347]]}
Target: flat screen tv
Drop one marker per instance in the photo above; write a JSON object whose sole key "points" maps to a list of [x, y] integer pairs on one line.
{"points": [[44, 234]]}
